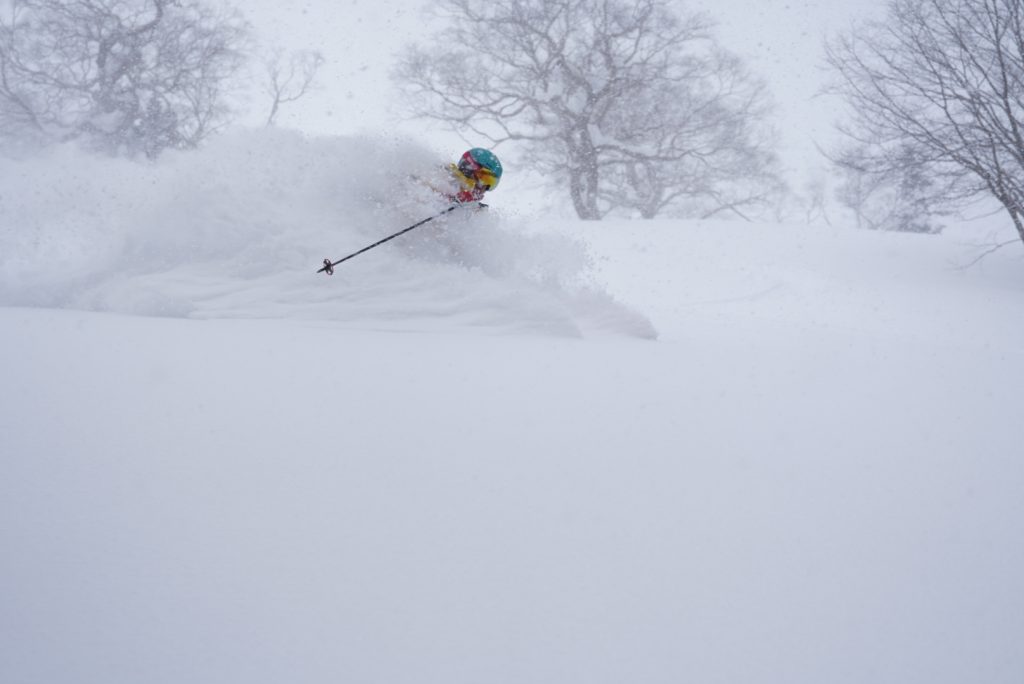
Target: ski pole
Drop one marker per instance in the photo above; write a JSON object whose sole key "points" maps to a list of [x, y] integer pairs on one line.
{"points": [[329, 265]]}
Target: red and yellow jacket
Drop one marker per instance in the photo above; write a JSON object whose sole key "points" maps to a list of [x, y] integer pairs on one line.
{"points": [[465, 189]]}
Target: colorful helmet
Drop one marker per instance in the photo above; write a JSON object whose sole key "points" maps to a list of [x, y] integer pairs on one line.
{"points": [[482, 165]]}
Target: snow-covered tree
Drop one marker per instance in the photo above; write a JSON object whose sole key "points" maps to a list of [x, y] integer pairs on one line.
{"points": [[936, 94], [629, 102], [125, 76]]}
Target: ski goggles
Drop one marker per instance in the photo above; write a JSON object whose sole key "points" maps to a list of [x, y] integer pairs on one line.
{"points": [[485, 177]]}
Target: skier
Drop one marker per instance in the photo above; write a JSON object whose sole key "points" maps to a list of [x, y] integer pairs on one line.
{"points": [[477, 171]]}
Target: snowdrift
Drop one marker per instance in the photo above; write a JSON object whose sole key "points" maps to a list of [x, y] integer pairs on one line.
{"points": [[238, 229]]}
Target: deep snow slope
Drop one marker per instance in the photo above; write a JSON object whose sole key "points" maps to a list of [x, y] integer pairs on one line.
{"points": [[490, 472], [258, 501]]}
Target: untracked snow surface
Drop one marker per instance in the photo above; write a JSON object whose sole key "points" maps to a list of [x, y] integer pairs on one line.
{"points": [[501, 448]]}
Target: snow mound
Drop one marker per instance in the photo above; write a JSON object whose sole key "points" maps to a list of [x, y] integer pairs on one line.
{"points": [[237, 230]]}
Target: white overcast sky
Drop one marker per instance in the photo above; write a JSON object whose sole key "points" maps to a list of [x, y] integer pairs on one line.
{"points": [[782, 39]]}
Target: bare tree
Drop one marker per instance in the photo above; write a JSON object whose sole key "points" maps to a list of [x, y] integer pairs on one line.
{"points": [[697, 145], [631, 102], [899, 197], [288, 81], [126, 76], [813, 201], [937, 89]]}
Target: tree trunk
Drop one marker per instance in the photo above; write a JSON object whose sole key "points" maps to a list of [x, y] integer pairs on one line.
{"points": [[1018, 222], [583, 174], [583, 201], [1012, 206]]}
